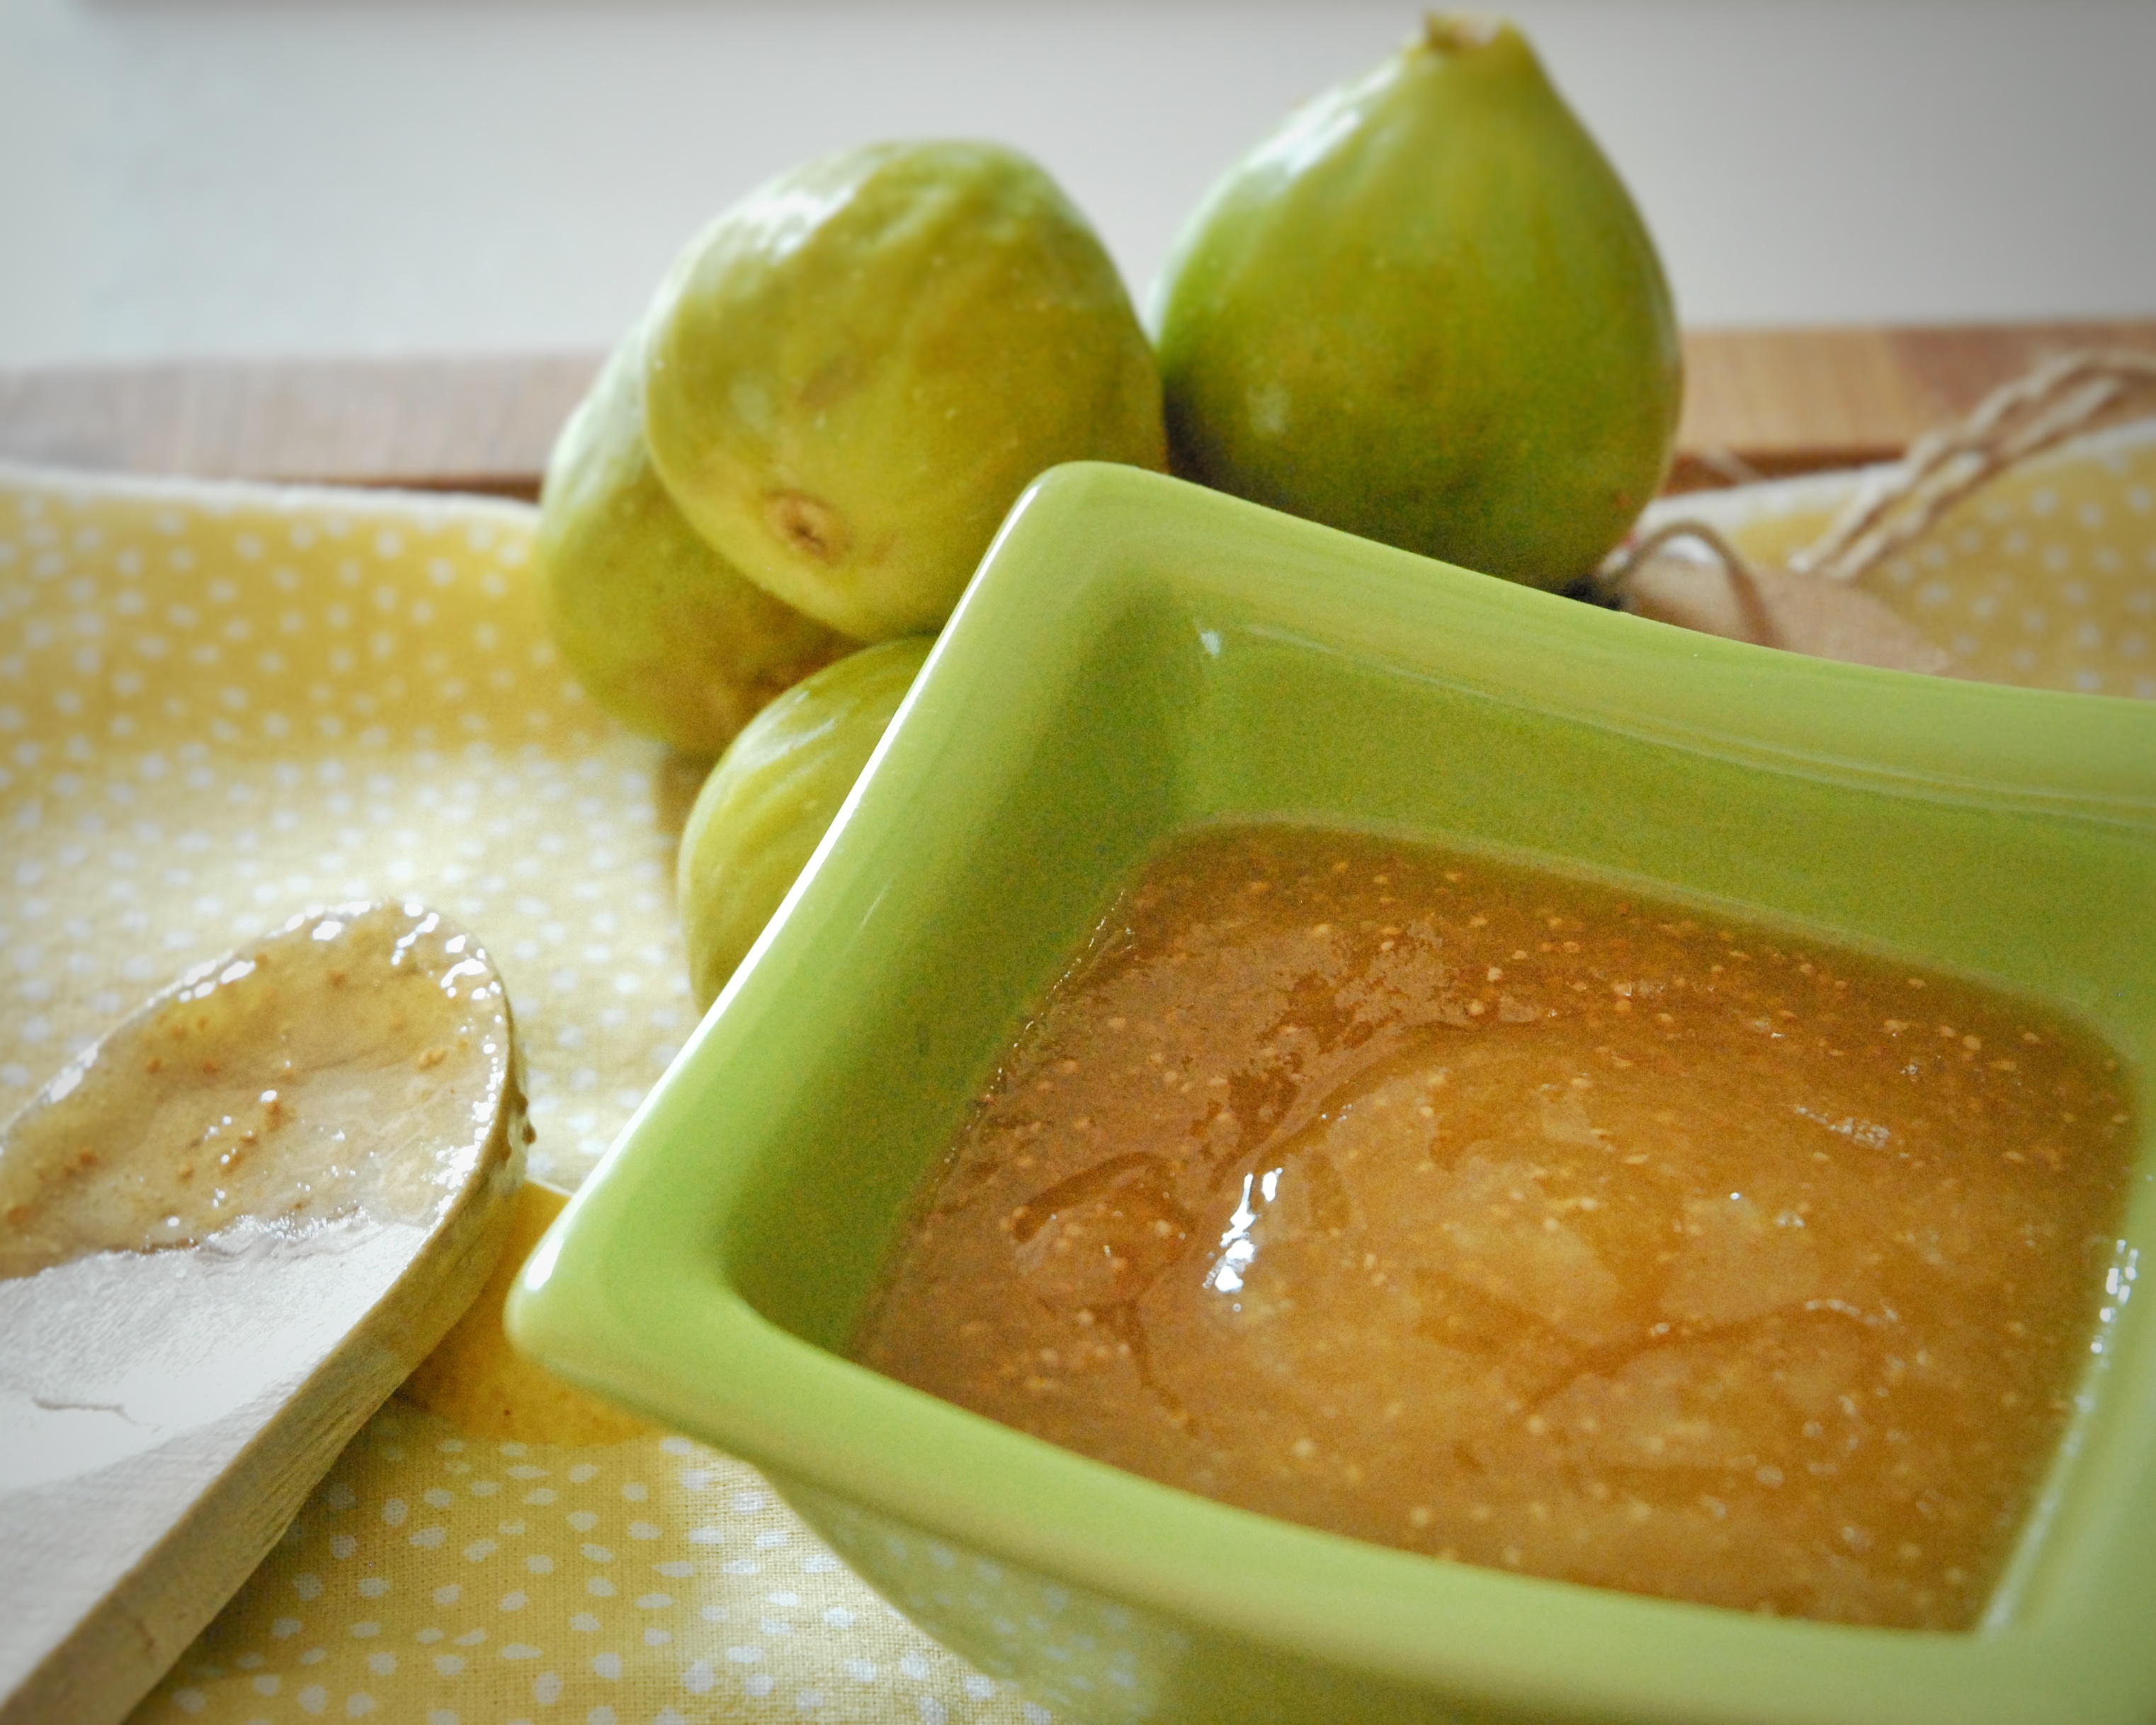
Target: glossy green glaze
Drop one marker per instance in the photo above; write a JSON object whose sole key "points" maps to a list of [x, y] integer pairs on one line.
{"points": [[1137, 654]]}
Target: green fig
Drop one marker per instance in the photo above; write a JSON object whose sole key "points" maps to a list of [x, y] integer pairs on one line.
{"points": [[661, 629], [854, 372], [1426, 311], [772, 795]]}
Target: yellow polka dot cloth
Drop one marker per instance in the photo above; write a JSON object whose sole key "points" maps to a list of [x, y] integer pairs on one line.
{"points": [[433, 1578], [2046, 577], [219, 704]]}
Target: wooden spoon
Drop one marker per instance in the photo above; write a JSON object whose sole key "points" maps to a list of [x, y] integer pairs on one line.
{"points": [[227, 1233]]}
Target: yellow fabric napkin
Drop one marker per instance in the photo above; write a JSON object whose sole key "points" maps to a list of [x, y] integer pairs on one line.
{"points": [[2046, 579], [435, 1578], [219, 704]]}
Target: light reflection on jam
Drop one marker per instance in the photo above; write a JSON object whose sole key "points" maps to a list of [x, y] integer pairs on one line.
{"points": [[1516, 1220]]}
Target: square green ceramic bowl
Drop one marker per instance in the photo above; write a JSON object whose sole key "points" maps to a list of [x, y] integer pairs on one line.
{"points": [[1137, 655]]}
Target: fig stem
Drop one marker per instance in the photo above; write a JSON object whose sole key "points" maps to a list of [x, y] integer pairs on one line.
{"points": [[1457, 32]]}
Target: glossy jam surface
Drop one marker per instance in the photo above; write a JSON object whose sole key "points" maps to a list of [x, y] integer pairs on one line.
{"points": [[1500, 1216], [352, 1063]]}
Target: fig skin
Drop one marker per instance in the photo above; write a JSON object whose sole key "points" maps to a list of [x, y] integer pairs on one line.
{"points": [[1427, 311], [661, 631], [774, 794], [854, 372]]}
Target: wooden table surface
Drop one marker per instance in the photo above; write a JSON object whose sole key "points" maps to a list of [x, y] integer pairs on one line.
{"points": [[1778, 400]]}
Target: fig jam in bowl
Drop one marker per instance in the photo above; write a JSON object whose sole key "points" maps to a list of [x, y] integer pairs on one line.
{"points": [[1448, 1346]]}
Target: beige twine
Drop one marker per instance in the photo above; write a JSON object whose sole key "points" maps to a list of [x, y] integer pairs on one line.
{"points": [[2058, 400]]}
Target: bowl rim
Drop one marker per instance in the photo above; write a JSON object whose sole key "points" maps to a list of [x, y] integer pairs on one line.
{"points": [[629, 1294]]}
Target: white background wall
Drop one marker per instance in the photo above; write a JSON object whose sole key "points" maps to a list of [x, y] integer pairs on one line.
{"points": [[200, 176]]}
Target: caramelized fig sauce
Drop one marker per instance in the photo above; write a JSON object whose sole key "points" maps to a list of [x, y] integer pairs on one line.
{"points": [[1518, 1220]]}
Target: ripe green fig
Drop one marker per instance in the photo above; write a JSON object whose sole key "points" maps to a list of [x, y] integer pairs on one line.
{"points": [[1426, 310], [774, 792], [853, 372], [661, 629]]}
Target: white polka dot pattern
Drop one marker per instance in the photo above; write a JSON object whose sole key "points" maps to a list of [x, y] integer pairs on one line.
{"points": [[436, 1577], [219, 704], [2046, 579]]}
